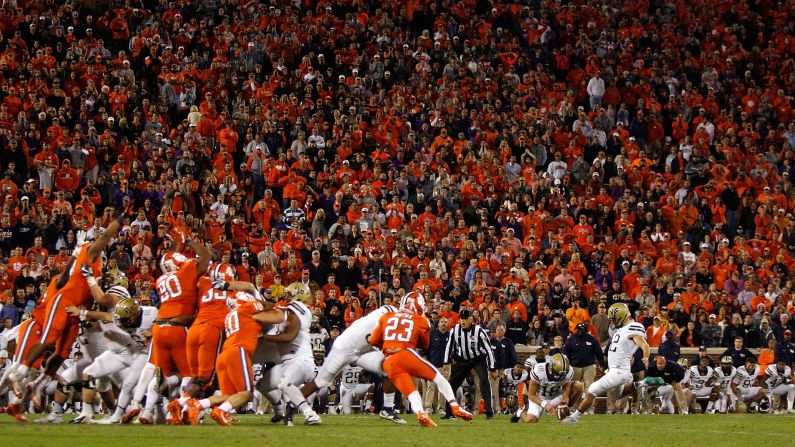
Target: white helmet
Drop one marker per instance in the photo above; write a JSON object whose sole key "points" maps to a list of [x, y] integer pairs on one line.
{"points": [[220, 271], [238, 298], [413, 302], [172, 261]]}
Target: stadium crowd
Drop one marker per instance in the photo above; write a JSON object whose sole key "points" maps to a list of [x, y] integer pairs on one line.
{"points": [[533, 164]]}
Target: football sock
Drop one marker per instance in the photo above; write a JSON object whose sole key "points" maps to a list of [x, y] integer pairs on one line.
{"points": [[56, 408], [576, 415], [415, 400], [22, 370], [444, 387], [389, 401], [226, 407]]}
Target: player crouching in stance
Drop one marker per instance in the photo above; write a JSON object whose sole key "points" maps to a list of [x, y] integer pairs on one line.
{"points": [[127, 328], [628, 337], [744, 385], [778, 380], [398, 335], [550, 390]]}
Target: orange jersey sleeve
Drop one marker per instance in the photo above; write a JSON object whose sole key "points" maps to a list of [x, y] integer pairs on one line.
{"points": [[178, 292], [212, 304], [241, 329], [77, 289]]}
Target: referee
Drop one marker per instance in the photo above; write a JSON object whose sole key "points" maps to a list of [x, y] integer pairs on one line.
{"points": [[469, 348]]}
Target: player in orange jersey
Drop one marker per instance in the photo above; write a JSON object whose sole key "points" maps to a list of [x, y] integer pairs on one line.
{"points": [[178, 290], [399, 335], [59, 329], [205, 335]]}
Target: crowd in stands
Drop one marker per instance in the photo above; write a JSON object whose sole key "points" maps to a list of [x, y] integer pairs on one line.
{"points": [[531, 161]]}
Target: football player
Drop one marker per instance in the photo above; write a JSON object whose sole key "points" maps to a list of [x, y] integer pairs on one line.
{"points": [[550, 386], [352, 386], [205, 336], [243, 325], [512, 378], [352, 347], [779, 382], [177, 288], [701, 378], [128, 328], [744, 383], [59, 330], [629, 336], [295, 352], [724, 376], [398, 335]]}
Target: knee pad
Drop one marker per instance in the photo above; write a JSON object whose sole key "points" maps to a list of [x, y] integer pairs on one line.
{"points": [[63, 387], [104, 384]]}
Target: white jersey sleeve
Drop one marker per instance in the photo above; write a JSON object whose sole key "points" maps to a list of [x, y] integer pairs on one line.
{"points": [[356, 335]]}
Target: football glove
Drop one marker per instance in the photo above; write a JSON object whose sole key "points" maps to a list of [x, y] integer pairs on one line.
{"points": [[220, 284], [86, 271]]}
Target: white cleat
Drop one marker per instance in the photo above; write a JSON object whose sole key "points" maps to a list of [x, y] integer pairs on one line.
{"points": [[81, 419], [51, 418], [569, 420], [106, 420], [391, 416], [312, 419]]}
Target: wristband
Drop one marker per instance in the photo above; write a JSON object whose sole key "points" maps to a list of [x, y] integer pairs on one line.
{"points": [[91, 281], [83, 314]]}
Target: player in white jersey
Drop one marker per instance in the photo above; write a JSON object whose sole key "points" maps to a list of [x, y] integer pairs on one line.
{"points": [[354, 386], [628, 337], [724, 375], [779, 382], [128, 328], [512, 378], [352, 348], [744, 383], [295, 352], [549, 387], [701, 379]]}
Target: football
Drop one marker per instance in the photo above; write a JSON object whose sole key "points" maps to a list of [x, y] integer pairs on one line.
{"points": [[563, 412]]}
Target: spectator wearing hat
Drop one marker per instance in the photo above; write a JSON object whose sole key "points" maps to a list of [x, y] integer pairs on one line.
{"points": [[711, 332], [655, 332], [584, 353]]}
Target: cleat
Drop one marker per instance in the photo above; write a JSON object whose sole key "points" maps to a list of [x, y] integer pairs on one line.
{"points": [[15, 410], [130, 415], [193, 415], [288, 423], [174, 413], [277, 418], [312, 419], [222, 417], [81, 419], [569, 420], [425, 420], [106, 421], [463, 414], [514, 419], [391, 416], [51, 418]]}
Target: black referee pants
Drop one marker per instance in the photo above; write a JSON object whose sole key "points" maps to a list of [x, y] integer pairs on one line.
{"points": [[460, 371]]}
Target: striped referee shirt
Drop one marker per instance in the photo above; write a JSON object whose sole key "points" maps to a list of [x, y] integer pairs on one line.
{"points": [[469, 344]]}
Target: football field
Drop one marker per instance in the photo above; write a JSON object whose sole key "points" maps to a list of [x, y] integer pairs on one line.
{"points": [[363, 431]]}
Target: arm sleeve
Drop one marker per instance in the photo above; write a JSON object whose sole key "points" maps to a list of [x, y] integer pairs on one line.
{"points": [[450, 342], [487, 347]]}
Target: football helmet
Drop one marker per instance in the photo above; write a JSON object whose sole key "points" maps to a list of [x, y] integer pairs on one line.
{"points": [[683, 362], [119, 291], [172, 261], [726, 361], [234, 300], [127, 312], [512, 401], [618, 314], [413, 302], [557, 366], [298, 291], [220, 271]]}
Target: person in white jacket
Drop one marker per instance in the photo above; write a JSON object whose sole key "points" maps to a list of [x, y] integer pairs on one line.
{"points": [[596, 90]]}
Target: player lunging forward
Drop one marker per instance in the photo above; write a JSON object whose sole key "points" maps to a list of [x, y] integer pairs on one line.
{"points": [[628, 337], [399, 335]]}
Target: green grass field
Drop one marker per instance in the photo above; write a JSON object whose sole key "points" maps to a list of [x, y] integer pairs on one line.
{"points": [[361, 431]]}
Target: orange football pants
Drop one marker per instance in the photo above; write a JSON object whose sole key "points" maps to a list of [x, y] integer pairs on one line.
{"points": [[168, 349], [203, 344], [235, 373], [403, 365]]}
